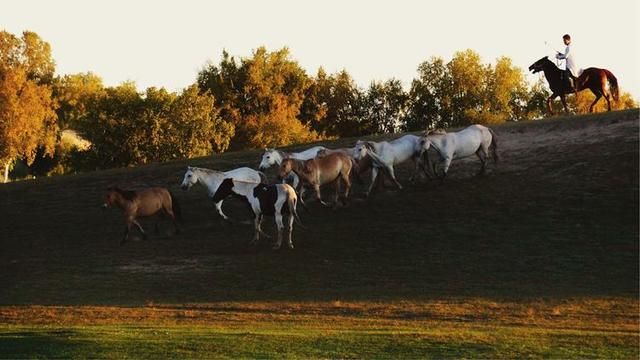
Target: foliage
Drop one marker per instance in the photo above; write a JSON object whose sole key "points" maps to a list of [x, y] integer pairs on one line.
{"points": [[261, 96], [27, 116], [127, 128]]}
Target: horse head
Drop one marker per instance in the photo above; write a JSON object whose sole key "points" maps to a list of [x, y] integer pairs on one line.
{"points": [[190, 179], [285, 168], [540, 65], [270, 157], [362, 148], [422, 145]]}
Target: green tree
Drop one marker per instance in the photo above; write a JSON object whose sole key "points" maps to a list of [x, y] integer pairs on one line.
{"points": [[385, 107], [262, 97], [73, 94], [429, 99]]}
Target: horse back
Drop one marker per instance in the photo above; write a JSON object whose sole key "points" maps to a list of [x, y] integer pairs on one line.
{"points": [[151, 200]]}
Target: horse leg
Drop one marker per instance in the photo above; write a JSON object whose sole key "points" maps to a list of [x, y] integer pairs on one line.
{"points": [[483, 160], [290, 230], [564, 103], [445, 168], [280, 226], [374, 178], [606, 97], [127, 229], [393, 176], [256, 236], [219, 210], [347, 184], [144, 234], [598, 96], [549, 100], [316, 188]]}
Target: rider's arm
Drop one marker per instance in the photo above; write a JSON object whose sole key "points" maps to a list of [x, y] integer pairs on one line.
{"points": [[562, 56]]}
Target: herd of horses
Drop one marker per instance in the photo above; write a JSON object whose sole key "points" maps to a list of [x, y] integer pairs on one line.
{"points": [[319, 166], [310, 169]]}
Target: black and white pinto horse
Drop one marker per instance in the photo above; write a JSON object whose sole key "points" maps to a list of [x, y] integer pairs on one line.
{"points": [[274, 200]]}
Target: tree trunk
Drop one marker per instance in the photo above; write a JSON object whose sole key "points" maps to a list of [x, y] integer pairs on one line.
{"points": [[6, 171]]}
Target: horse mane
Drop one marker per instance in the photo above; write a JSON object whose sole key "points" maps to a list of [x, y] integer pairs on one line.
{"points": [[127, 194], [209, 171], [436, 131]]}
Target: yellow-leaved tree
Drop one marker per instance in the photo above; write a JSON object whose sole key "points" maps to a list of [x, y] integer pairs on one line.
{"points": [[27, 111]]}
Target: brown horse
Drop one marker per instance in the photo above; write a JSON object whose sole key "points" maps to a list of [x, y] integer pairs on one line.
{"points": [[359, 167], [320, 171], [141, 203], [594, 79]]}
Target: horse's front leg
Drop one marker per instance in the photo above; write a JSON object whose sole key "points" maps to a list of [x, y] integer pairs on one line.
{"points": [[219, 210], [374, 178], [316, 188], [549, 100], [416, 171], [144, 234], [564, 103]]}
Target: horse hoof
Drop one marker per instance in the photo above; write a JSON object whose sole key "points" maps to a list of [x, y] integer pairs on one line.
{"points": [[275, 247], [291, 246]]}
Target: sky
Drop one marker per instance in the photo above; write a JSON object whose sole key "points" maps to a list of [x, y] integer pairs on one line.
{"points": [[166, 43]]}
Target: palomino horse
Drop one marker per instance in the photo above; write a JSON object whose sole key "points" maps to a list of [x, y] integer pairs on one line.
{"points": [[359, 166], [212, 180], [141, 203], [270, 200], [320, 171], [475, 139], [594, 79], [385, 155], [272, 157]]}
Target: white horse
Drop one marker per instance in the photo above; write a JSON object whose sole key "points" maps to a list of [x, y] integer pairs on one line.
{"points": [[385, 155], [270, 200], [475, 139], [212, 179], [272, 157]]}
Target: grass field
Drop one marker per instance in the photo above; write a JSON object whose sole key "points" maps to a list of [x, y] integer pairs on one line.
{"points": [[539, 258]]}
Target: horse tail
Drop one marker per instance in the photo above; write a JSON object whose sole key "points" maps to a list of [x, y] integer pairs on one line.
{"points": [[175, 207], [613, 84], [494, 145], [263, 177], [293, 202]]}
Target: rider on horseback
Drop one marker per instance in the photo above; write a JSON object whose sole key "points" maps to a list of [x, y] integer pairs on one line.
{"points": [[572, 70]]}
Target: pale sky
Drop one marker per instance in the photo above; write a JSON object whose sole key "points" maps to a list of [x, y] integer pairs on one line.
{"points": [[166, 43]]}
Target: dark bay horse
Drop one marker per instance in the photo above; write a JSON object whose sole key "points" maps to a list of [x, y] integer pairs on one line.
{"points": [[140, 203], [594, 79]]}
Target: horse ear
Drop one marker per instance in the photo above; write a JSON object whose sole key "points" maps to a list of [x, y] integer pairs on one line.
{"points": [[369, 145]]}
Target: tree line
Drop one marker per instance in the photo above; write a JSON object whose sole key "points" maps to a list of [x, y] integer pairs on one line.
{"points": [[266, 99]]}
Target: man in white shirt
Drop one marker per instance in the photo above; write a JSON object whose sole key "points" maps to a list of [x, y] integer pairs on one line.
{"points": [[572, 69]]}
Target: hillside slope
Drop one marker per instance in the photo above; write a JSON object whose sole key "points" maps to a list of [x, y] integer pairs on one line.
{"points": [[556, 218]]}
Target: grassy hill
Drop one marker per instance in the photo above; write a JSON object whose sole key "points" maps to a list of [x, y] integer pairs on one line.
{"points": [[539, 257]]}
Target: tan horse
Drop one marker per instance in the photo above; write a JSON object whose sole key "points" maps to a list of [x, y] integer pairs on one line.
{"points": [[142, 203], [321, 171], [359, 167]]}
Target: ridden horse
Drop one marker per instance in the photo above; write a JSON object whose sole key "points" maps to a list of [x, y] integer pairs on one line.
{"points": [[270, 200], [385, 155], [594, 79], [475, 139], [213, 178], [272, 157], [142, 203], [320, 171]]}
